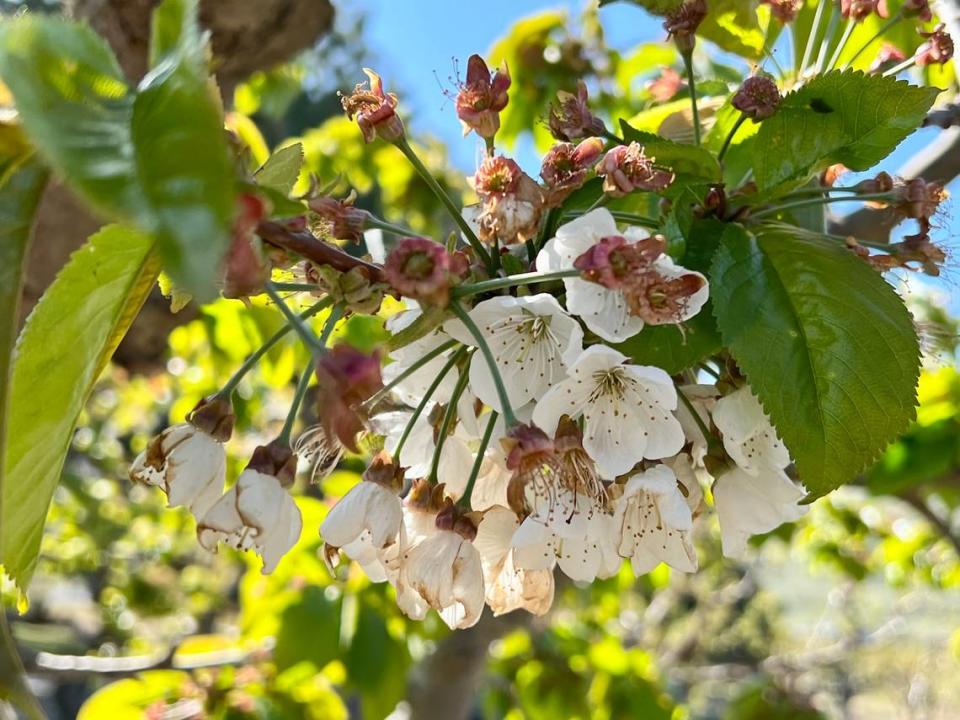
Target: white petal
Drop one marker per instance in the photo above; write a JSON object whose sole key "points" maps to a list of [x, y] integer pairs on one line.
{"points": [[565, 398], [584, 232]]}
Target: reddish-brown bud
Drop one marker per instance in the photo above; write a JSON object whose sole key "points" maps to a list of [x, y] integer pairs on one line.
{"points": [[214, 415], [758, 97], [859, 10], [338, 219], [881, 183], [918, 9], [681, 24], [421, 269], [482, 97], [246, 268], [277, 459], [784, 10], [626, 168], [570, 117], [938, 48], [384, 471], [346, 378], [567, 166], [374, 110]]}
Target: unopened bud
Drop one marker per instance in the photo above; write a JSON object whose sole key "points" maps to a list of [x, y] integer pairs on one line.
{"points": [[758, 97]]}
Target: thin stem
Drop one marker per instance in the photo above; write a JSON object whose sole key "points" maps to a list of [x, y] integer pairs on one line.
{"points": [[511, 281], [691, 83], [445, 424], [254, 358], [707, 435], [820, 201], [305, 333], [478, 462], [897, 69], [390, 227], [709, 370], [847, 32], [821, 190], [733, 131], [413, 367], [505, 407], [452, 209], [304, 381], [811, 38], [883, 30], [418, 411], [827, 36]]}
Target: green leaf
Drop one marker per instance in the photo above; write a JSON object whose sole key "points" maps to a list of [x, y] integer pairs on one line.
{"points": [[22, 179], [825, 342], [75, 106], [129, 699], [174, 33], [689, 162], [841, 117], [181, 155], [733, 26], [281, 170], [65, 344]]}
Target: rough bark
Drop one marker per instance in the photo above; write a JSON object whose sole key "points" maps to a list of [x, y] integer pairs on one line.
{"points": [[247, 35]]}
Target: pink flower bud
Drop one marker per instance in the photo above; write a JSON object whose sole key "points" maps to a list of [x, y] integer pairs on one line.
{"points": [[626, 168], [758, 97], [938, 48], [784, 10], [346, 378], [665, 86], [882, 183], [246, 268], [682, 23], [861, 9], [570, 118], [339, 219], [482, 97], [374, 110], [421, 269]]}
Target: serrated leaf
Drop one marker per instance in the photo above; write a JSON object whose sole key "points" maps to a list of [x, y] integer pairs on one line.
{"points": [[825, 342], [22, 179], [687, 161], [841, 117], [281, 170], [181, 155], [65, 344]]}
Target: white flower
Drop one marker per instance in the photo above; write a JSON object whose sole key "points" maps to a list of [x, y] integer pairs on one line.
{"points": [[508, 587], [748, 437], [490, 488], [753, 504], [603, 310], [257, 513], [627, 408], [368, 506], [568, 531], [411, 389], [532, 340], [188, 463], [656, 522], [445, 571]]}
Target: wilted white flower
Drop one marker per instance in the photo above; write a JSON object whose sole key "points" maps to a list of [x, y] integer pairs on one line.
{"points": [[656, 522], [188, 460], [627, 409], [257, 513], [508, 587], [532, 340], [371, 506]]}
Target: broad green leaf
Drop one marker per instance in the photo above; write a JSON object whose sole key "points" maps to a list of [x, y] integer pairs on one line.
{"points": [[825, 342], [841, 117], [687, 161], [174, 32], [734, 26], [75, 106], [281, 170], [65, 344], [181, 155]]}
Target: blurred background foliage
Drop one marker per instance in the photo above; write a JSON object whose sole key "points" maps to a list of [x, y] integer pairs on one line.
{"points": [[850, 612]]}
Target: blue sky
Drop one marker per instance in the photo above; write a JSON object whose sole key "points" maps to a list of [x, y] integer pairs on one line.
{"points": [[412, 42]]}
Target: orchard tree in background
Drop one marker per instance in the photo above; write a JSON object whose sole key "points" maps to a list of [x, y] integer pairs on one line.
{"points": [[576, 369]]}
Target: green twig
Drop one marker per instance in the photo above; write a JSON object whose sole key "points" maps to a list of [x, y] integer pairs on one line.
{"points": [[305, 333], [478, 462], [730, 135], [812, 37], [511, 281], [820, 201], [418, 411]]}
